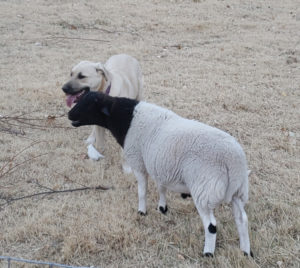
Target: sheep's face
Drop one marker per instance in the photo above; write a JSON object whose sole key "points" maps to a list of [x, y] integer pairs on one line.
{"points": [[92, 109]]}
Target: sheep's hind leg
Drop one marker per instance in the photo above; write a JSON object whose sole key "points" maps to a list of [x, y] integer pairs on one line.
{"points": [[210, 230], [241, 221], [162, 204], [142, 191], [185, 196]]}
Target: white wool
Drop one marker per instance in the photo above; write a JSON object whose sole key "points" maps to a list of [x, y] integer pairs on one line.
{"points": [[186, 156]]}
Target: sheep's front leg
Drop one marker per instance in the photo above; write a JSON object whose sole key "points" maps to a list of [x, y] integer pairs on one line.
{"points": [[241, 221], [126, 168], [210, 230], [162, 204], [142, 191]]}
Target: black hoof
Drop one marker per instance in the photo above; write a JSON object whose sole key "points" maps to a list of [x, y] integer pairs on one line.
{"points": [[163, 210], [208, 254], [142, 213], [185, 196], [251, 254]]}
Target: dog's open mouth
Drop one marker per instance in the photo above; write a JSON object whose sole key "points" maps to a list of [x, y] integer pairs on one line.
{"points": [[75, 98]]}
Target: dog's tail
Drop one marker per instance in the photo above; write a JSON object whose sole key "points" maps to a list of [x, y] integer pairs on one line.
{"points": [[140, 95]]}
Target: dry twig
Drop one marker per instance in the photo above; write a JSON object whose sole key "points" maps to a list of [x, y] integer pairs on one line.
{"points": [[10, 200], [8, 167], [76, 38], [9, 124]]}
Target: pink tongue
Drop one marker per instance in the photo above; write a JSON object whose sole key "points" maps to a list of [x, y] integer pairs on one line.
{"points": [[70, 100]]}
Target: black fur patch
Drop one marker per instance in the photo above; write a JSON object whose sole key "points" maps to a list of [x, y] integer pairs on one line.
{"points": [[209, 255], [120, 118], [212, 229], [163, 210], [184, 196], [251, 254]]}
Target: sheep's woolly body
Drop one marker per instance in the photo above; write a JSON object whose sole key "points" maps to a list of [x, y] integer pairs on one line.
{"points": [[186, 156]]}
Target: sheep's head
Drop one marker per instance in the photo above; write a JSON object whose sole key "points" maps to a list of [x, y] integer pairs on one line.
{"points": [[92, 109]]}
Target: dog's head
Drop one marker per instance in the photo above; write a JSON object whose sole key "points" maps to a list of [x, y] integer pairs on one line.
{"points": [[93, 108], [85, 76]]}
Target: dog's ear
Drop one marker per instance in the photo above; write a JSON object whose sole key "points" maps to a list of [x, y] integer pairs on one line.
{"points": [[101, 69]]}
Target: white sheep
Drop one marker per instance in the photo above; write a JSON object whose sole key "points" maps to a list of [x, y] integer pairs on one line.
{"points": [[181, 155]]}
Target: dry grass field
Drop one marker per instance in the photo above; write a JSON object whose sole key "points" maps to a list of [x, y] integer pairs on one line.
{"points": [[231, 64]]}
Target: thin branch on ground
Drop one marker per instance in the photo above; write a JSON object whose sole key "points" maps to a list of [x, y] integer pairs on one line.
{"points": [[42, 186], [10, 200], [102, 30], [77, 38], [12, 131], [9, 123], [9, 164], [11, 168], [68, 179]]}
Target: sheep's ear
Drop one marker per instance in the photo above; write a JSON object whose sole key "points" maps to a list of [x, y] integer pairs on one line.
{"points": [[102, 70], [105, 111]]}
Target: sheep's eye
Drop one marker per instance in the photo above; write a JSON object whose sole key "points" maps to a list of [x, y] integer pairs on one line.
{"points": [[71, 74], [80, 76]]}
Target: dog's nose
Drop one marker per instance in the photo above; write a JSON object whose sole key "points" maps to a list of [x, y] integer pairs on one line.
{"points": [[66, 88]]}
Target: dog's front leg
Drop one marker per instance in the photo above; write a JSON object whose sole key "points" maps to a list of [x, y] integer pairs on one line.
{"points": [[92, 138], [100, 138], [96, 138]]}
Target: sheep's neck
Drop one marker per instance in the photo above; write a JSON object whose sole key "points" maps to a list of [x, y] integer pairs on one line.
{"points": [[119, 120]]}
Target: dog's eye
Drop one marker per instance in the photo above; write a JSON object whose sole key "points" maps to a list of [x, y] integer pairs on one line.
{"points": [[71, 74], [80, 76]]}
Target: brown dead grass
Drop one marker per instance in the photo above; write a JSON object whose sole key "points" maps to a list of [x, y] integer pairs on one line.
{"points": [[231, 64]]}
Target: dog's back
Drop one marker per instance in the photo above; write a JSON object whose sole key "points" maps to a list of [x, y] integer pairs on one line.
{"points": [[127, 70]]}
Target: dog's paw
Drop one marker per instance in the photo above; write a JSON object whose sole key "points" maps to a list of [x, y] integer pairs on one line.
{"points": [[93, 153], [90, 140]]}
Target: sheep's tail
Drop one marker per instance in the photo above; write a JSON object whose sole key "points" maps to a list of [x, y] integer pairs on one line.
{"points": [[237, 179]]}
